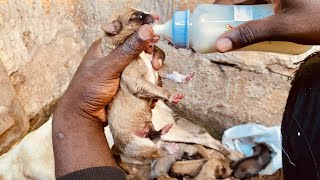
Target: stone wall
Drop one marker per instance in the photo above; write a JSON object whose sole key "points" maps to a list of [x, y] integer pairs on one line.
{"points": [[42, 43], [13, 121]]}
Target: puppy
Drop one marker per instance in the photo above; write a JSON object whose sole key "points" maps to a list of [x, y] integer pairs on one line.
{"points": [[251, 166], [214, 169], [129, 113]]}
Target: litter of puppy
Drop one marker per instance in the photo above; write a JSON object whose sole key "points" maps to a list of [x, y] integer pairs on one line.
{"points": [[188, 156]]}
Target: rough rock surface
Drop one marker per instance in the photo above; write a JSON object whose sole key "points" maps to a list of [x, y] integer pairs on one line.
{"points": [[13, 121], [42, 43], [233, 88]]}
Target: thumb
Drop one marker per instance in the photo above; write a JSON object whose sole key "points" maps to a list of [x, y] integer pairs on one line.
{"points": [[249, 33], [122, 56]]}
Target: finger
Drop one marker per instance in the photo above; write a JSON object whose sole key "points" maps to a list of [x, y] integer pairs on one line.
{"points": [[276, 6], [150, 49], [118, 59], [155, 39], [239, 1], [270, 28], [94, 52]]}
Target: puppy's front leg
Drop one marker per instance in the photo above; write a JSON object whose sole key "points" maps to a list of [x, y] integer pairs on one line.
{"points": [[143, 88], [165, 73]]}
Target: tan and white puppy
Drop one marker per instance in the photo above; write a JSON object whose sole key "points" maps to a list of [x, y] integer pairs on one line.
{"points": [[129, 113]]}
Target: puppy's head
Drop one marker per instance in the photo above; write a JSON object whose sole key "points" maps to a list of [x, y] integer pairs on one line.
{"points": [[126, 22], [261, 148]]}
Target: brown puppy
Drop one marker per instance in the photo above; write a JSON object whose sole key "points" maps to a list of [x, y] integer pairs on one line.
{"points": [[129, 113], [251, 166], [214, 169]]}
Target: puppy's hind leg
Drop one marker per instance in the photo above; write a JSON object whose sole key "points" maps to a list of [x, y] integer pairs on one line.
{"points": [[143, 88], [142, 148]]}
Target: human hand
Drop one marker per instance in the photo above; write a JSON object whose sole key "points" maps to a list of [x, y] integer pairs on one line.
{"points": [[97, 79], [78, 135], [294, 21]]}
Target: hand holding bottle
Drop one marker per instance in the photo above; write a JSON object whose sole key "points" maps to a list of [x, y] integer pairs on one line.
{"points": [[294, 21]]}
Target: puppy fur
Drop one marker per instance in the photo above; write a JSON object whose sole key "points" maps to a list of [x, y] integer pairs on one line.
{"points": [[129, 113], [251, 166]]}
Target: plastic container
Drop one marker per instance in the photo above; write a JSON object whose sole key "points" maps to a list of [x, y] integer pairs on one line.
{"points": [[201, 29]]}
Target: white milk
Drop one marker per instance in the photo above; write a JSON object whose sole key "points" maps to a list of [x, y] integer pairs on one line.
{"points": [[201, 29]]}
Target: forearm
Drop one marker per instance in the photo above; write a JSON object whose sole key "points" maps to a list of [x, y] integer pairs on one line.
{"points": [[78, 143]]}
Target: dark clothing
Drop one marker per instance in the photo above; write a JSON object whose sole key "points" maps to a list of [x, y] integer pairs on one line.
{"points": [[301, 124], [96, 173]]}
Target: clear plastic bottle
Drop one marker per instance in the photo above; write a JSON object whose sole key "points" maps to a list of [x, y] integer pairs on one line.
{"points": [[201, 29]]}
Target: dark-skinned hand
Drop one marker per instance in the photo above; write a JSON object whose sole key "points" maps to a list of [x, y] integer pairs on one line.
{"points": [[78, 122], [97, 79], [294, 21]]}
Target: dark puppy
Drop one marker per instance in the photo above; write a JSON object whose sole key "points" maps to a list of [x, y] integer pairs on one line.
{"points": [[251, 166]]}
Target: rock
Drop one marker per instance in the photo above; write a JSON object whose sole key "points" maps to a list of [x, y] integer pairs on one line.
{"points": [[42, 50], [13, 121], [233, 88]]}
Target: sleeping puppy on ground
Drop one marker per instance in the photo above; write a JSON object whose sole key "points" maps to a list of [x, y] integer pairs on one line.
{"points": [[251, 166], [129, 113]]}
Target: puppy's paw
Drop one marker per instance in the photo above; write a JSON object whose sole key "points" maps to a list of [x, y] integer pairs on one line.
{"points": [[176, 98], [188, 78]]}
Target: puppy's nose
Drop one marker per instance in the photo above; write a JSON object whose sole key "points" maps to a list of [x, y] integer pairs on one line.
{"points": [[156, 18]]}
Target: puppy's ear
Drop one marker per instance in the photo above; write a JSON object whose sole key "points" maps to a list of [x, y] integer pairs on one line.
{"points": [[113, 28]]}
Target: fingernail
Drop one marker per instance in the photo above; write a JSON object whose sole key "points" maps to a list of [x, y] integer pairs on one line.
{"points": [[145, 32], [224, 45]]}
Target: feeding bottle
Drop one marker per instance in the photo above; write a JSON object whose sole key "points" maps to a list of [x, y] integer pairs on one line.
{"points": [[201, 29]]}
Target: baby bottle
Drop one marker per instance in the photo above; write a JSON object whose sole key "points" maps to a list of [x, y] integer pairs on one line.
{"points": [[201, 29]]}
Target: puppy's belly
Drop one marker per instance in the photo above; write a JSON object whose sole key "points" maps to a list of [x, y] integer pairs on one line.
{"points": [[152, 75]]}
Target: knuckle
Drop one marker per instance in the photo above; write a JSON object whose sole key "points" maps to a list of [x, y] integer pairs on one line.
{"points": [[128, 48], [131, 46], [247, 35]]}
